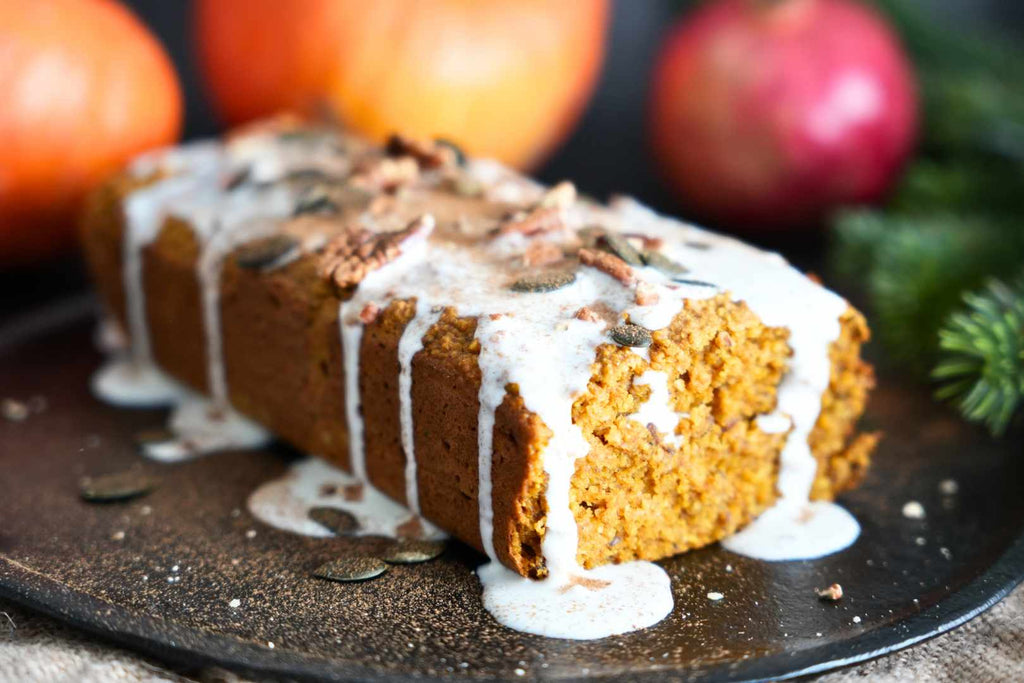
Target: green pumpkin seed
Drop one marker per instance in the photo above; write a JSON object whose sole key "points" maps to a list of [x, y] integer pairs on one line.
{"points": [[238, 179], [337, 521], [412, 552], [118, 486], [590, 235], [315, 202], [467, 186], [620, 246], [349, 569], [304, 135], [628, 334], [308, 175], [15, 411], [460, 156], [265, 252], [544, 282], [350, 196], [694, 283], [658, 261]]}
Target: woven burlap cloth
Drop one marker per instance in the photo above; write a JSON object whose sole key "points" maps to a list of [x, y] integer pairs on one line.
{"points": [[34, 648]]}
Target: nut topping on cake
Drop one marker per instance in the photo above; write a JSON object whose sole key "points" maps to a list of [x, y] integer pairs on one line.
{"points": [[590, 314], [628, 334], [369, 313], [657, 260], [427, 153], [561, 196], [536, 222], [386, 174], [608, 263], [357, 252], [542, 254], [620, 246], [543, 282], [267, 252], [646, 294], [317, 201]]}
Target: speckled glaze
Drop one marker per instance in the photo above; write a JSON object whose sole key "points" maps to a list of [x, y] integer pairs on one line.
{"points": [[62, 555]]}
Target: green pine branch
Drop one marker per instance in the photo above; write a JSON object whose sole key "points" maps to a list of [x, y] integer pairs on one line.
{"points": [[982, 367], [970, 83], [914, 268], [986, 185]]}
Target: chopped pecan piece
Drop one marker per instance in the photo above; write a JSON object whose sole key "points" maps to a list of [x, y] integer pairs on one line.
{"points": [[608, 263], [369, 313], [833, 593], [537, 221], [646, 294], [646, 241], [589, 315], [542, 254], [385, 174], [561, 196], [427, 153], [351, 256]]}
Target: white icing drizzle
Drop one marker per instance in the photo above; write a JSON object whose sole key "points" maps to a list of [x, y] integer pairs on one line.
{"points": [[202, 426], [145, 211], [531, 341], [284, 503], [247, 220], [584, 605], [123, 381], [794, 528], [351, 340], [109, 337], [374, 289], [492, 393], [220, 221], [408, 346], [657, 409], [537, 344]]}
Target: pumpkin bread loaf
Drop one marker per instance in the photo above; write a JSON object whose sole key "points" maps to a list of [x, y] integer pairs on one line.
{"points": [[641, 491]]}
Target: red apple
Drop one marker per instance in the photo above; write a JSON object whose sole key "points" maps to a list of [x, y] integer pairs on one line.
{"points": [[769, 113]]}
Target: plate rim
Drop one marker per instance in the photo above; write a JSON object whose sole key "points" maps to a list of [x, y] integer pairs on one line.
{"points": [[48, 596], [197, 648]]}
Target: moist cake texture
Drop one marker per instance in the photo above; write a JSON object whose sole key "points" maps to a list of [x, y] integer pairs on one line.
{"points": [[531, 371]]}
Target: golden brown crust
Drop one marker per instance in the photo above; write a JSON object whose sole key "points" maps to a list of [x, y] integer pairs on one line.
{"points": [[633, 496]]}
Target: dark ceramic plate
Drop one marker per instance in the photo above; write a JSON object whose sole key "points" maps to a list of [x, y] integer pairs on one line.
{"points": [[160, 573]]}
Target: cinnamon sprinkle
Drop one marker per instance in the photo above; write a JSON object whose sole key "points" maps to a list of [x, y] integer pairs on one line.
{"points": [[586, 582]]}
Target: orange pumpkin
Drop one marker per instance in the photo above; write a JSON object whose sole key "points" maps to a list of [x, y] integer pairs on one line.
{"points": [[85, 87], [504, 78]]}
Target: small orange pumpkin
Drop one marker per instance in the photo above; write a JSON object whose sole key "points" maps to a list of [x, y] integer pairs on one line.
{"points": [[503, 78], [85, 87]]}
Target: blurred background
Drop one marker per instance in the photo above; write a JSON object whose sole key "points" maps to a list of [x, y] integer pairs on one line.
{"points": [[607, 152], [877, 142]]}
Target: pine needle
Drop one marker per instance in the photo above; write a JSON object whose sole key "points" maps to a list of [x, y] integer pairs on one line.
{"points": [[982, 368]]}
